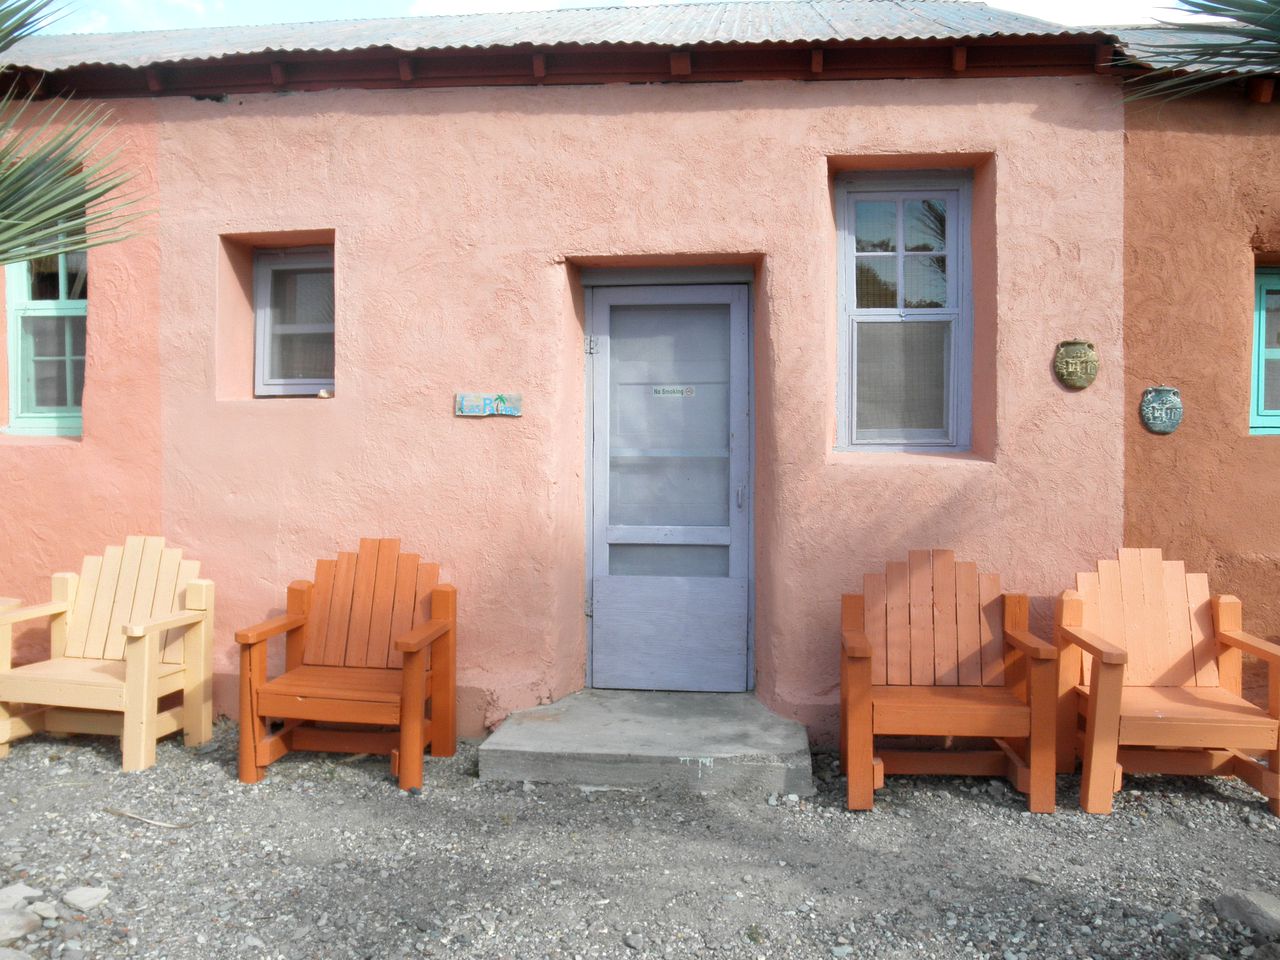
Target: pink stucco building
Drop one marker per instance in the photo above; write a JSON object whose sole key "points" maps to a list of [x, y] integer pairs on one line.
{"points": [[778, 287]]}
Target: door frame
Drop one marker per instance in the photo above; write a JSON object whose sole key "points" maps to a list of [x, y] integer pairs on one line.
{"points": [[592, 280]]}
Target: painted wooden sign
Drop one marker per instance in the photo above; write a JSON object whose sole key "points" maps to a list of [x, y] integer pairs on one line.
{"points": [[1161, 409], [488, 405]]}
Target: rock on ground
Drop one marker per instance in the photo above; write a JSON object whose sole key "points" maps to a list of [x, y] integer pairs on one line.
{"points": [[1256, 909], [85, 899], [15, 924]]}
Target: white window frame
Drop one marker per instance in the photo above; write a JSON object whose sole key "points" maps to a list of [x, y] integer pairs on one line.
{"points": [[65, 421], [957, 187], [265, 264]]}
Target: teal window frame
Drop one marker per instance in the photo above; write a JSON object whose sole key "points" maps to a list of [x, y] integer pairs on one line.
{"points": [[1263, 422], [37, 421]]}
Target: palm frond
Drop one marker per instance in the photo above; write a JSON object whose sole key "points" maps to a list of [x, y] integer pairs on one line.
{"points": [[1202, 55], [60, 182]]}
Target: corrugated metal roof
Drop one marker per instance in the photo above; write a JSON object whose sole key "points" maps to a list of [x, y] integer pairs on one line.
{"points": [[1159, 47], [746, 22]]}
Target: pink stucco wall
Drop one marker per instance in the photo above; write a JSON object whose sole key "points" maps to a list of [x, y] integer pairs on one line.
{"points": [[459, 219]]}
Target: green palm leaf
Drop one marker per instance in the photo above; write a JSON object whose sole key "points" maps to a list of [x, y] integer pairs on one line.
{"points": [[1244, 40], [59, 182]]}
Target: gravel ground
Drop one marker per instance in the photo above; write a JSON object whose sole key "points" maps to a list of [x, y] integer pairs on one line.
{"points": [[329, 859]]}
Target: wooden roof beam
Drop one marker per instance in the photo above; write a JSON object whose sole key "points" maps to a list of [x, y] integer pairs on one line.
{"points": [[815, 60], [277, 74], [539, 65], [959, 59], [405, 67], [681, 63], [1262, 89]]}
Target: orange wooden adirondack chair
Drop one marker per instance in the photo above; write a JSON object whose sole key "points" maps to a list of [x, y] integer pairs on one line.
{"points": [[1151, 665], [933, 648], [133, 627], [371, 642]]}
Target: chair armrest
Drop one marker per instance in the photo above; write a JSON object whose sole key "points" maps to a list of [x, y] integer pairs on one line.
{"points": [[1250, 644], [144, 627], [1031, 645], [34, 612], [270, 628], [855, 644], [423, 635], [1104, 650]]}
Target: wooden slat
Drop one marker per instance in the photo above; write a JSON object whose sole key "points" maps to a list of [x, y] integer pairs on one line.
{"points": [[875, 592], [428, 577], [991, 629], [78, 628], [1163, 657], [1089, 587], [103, 598], [402, 609], [921, 613], [122, 605], [968, 639], [1110, 605], [1203, 644], [897, 623], [329, 710], [362, 603], [148, 571], [166, 582], [344, 578], [948, 711], [173, 644], [384, 595], [945, 650], [1142, 665], [318, 626], [1177, 617]]}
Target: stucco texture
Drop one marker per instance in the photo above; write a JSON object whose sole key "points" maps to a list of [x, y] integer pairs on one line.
{"points": [[459, 220], [1202, 209]]}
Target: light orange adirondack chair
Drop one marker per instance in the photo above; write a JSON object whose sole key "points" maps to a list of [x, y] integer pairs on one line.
{"points": [[134, 626], [933, 648], [371, 642], [1151, 666]]}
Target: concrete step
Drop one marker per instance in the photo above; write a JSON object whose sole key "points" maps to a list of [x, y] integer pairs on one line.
{"points": [[632, 739]]}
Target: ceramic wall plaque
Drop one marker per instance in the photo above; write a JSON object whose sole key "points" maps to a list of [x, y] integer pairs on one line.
{"points": [[488, 405], [1075, 364], [1161, 409]]}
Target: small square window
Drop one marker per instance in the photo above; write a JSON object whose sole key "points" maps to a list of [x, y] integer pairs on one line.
{"points": [[294, 309], [1264, 412]]}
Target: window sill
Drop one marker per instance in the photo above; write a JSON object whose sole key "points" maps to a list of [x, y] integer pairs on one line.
{"points": [[870, 456]]}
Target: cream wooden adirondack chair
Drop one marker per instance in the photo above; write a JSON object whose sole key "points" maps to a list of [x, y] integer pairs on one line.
{"points": [[134, 626], [1149, 680]]}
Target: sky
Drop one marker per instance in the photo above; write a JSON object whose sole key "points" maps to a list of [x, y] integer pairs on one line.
{"points": [[95, 16]]}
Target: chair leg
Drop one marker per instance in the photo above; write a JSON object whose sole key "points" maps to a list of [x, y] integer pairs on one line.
{"points": [[1102, 737], [857, 734], [413, 704], [197, 696], [253, 730], [1041, 753], [141, 683]]}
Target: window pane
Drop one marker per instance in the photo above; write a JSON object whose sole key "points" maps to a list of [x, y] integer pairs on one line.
{"points": [[902, 376], [877, 285], [77, 383], [45, 336], [77, 275], [44, 278], [667, 560], [1271, 306], [302, 296], [48, 386], [77, 335], [669, 491], [925, 282], [1271, 385], [875, 226], [302, 356], [926, 225]]}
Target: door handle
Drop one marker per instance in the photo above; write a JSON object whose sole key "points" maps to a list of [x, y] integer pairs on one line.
{"points": [[742, 496]]}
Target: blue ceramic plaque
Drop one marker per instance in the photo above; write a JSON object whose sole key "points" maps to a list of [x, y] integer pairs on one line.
{"points": [[1161, 409], [487, 405]]}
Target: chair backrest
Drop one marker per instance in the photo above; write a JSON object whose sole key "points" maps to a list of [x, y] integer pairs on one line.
{"points": [[1158, 612], [139, 581], [934, 622], [363, 601]]}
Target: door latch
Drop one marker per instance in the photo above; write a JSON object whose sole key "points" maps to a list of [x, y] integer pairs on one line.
{"points": [[742, 496]]}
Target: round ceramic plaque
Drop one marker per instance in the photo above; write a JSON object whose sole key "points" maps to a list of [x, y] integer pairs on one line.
{"points": [[1161, 409], [1075, 364]]}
